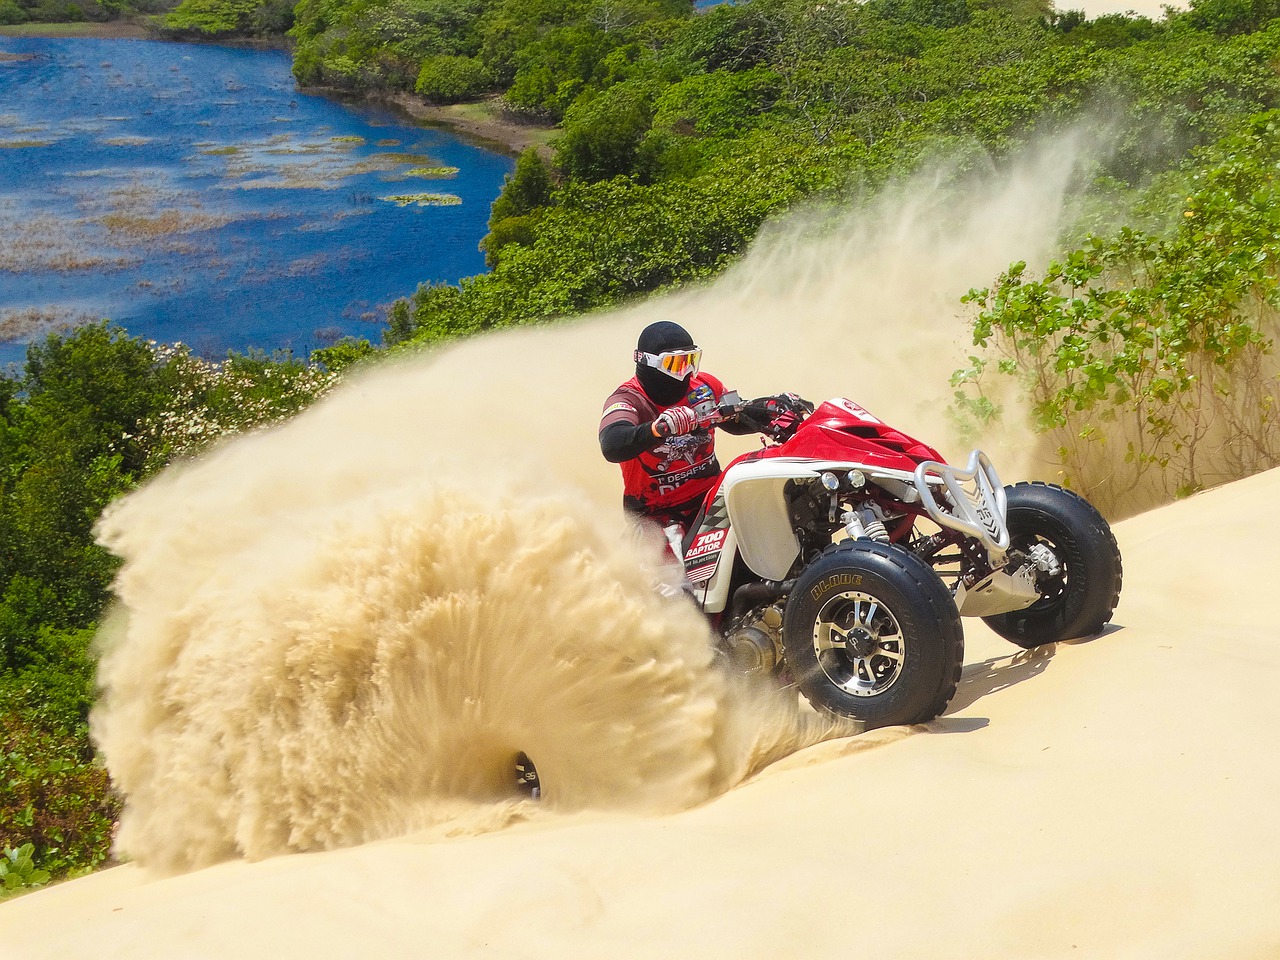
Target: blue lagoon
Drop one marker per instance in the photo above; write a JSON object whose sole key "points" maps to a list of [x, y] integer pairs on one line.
{"points": [[191, 193]]}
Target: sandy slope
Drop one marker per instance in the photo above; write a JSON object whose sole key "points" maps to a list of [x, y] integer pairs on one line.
{"points": [[1109, 798]]}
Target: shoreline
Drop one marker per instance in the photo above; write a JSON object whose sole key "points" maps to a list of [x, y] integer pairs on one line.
{"points": [[480, 122], [114, 30], [133, 30]]}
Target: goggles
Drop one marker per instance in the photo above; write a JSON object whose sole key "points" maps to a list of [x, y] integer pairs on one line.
{"points": [[676, 364]]}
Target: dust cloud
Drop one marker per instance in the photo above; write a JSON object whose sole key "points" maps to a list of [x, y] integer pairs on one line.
{"points": [[344, 629]]}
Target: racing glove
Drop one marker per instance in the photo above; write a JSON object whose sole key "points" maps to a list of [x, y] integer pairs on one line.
{"points": [[675, 421]]}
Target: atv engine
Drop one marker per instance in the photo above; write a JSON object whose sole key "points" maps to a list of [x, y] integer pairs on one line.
{"points": [[753, 642]]}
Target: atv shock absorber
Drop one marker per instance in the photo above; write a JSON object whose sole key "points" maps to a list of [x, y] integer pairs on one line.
{"points": [[865, 523]]}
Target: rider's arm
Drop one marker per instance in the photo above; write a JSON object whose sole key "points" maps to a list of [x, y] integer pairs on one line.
{"points": [[626, 441], [730, 425], [734, 427]]}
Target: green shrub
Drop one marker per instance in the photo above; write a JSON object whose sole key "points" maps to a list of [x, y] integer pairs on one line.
{"points": [[719, 104], [344, 354], [445, 78], [54, 796], [602, 134], [515, 213], [11, 13], [206, 401], [1147, 357], [212, 17], [18, 872]]}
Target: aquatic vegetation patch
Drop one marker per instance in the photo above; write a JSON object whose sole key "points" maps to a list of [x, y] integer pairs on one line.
{"points": [[425, 200], [307, 266], [347, 139], [340, 215], [137, 213], [58, 245], [286, 162], [101, 173], [431, 173], [25, 144], [417, 159], [163, 223], [26, 323], [294, 180], [300, 150], [107, 225]]}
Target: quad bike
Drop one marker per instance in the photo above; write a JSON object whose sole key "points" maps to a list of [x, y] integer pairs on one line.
{"points": [[841, 556]]}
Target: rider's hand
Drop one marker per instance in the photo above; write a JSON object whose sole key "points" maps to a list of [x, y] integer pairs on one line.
{"points": [[675, 421]]}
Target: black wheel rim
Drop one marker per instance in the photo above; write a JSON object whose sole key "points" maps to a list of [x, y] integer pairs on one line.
{"points": [[859, 644]]}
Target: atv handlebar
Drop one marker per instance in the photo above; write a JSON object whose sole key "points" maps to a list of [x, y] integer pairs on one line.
{"points": [[777, 417]]}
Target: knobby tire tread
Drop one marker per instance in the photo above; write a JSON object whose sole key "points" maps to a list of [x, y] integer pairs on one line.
{"points": [[929, 590], [1109, 543]]}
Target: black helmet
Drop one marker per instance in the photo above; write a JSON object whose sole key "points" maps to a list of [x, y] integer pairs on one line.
{"points": [[666, 360]]}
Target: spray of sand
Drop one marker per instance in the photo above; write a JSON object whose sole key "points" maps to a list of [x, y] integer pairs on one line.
{"points": [[344, 629]]}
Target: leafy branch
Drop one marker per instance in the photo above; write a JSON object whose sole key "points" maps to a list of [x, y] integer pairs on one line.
{"points": [[1160, 345]]}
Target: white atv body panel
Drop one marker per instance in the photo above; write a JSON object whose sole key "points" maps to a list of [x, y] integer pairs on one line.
{"points": [[759, 525], [713, 594], [751, 505]]}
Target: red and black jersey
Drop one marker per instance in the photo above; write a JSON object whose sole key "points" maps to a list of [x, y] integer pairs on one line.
{"points": [[677, 473]]}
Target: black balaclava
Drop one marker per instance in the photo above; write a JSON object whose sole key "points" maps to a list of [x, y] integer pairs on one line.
{"points": [[657, 338]]}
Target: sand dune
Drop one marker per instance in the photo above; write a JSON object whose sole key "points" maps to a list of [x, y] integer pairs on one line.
{"points": [[303, 668], [1104, 798], [1101, 8]]}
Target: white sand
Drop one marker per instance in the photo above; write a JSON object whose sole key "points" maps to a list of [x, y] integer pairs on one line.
{"points": [[1099, 8], [1108, 798], [311, 611]]}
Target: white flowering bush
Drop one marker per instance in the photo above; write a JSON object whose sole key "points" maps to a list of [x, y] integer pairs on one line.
{"points": [[204, 401]]}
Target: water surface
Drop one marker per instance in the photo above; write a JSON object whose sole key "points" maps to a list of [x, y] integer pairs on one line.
{"points": [[191, 193]]}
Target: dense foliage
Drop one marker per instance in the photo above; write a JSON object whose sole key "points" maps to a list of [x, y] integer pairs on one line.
{"points": [[228, 18], [14, 12], [94, 414], [1155, 343], [678, 136]]}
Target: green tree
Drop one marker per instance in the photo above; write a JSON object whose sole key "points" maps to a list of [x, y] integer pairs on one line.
{"points": [[602, 134], [1232, 17], [213, 17], [11, 13], [515, 213], [447, 78], [925, 13]]}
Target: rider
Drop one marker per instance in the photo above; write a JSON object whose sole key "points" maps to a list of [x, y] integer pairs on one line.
{"points": [[651, 427]]}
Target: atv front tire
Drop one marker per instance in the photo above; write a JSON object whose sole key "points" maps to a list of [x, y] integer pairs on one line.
{"points": [[1078, 601], [871, 633]]}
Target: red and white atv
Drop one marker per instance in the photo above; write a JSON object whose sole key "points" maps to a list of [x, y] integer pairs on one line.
{"points": [[841, 556]]}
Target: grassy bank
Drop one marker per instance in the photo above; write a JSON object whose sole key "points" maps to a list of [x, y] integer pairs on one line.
{"points": [[116, 30]]}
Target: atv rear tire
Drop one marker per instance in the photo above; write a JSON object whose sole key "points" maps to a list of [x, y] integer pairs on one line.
{"points": [[871, 633], [1079, 601]]}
